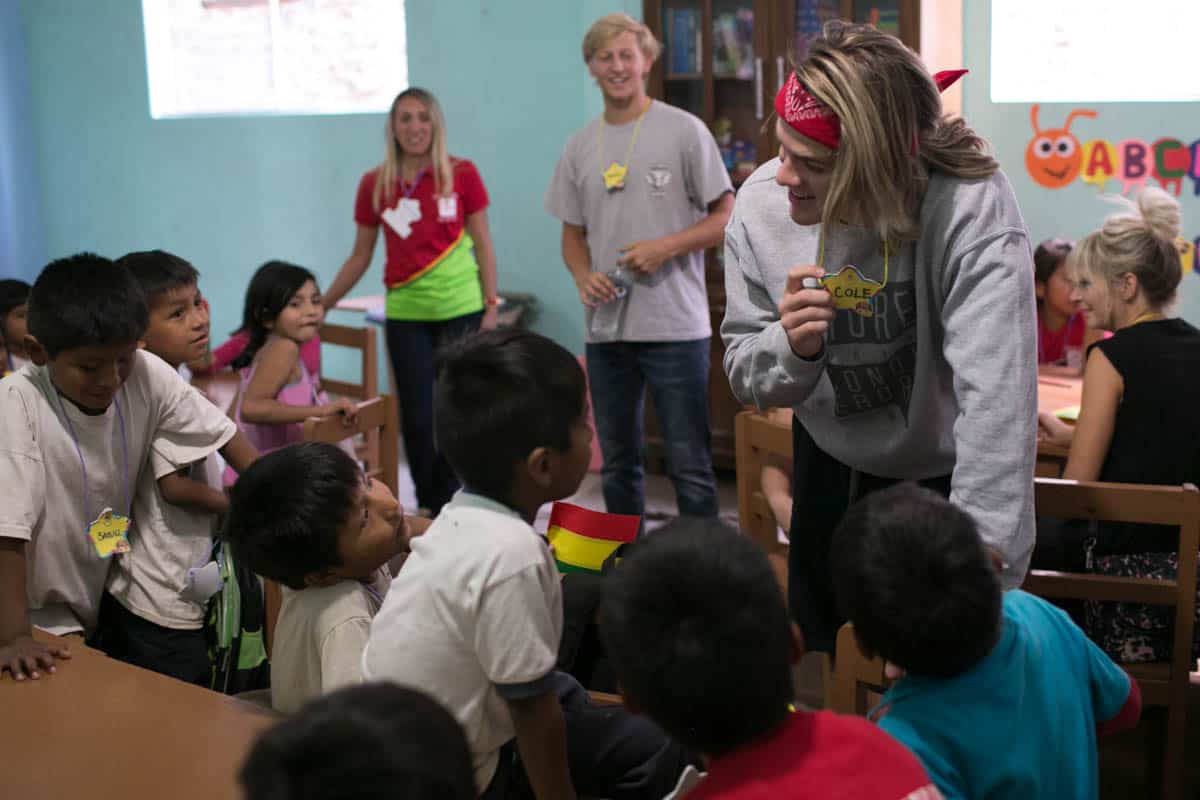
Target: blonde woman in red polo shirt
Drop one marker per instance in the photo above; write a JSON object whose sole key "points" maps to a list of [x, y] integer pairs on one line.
{"points": [[440, 270]]}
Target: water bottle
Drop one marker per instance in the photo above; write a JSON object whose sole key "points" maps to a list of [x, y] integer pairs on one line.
{"points": [[607, 317]]}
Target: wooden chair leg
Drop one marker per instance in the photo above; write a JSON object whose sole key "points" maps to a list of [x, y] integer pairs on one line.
{"points": [[1174, 734]]}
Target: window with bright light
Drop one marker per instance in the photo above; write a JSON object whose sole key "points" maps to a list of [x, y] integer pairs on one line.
{"points": [[206, 57], [1094, 51]]}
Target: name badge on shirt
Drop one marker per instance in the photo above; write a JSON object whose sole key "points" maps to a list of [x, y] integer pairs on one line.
{"points": [[851, 290], [448, 208], [109, 534], [401, 218]]}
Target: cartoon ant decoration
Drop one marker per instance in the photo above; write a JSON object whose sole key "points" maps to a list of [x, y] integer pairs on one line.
{"points": [[1053, 157]]}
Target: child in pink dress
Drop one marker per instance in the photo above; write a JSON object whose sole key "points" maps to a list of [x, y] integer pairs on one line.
{"points": [[278, 391]]}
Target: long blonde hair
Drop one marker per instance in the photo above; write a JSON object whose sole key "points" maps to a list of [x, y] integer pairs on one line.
{"points": [[389, 170], [1139, 239], [888, 106]]}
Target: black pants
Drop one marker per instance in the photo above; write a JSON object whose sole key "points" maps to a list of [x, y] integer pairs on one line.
{"points": [[610, 752], [411, 347], [125, 636], [822, 489]]}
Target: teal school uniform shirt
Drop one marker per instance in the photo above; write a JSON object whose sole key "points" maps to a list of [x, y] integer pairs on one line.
{"points": [[1022, 723]]}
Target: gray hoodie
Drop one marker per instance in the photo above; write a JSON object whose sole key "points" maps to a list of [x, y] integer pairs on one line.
{"points": [[939, 376]]}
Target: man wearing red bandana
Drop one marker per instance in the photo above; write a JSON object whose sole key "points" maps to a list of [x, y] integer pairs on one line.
{"points": [[878, 276]]}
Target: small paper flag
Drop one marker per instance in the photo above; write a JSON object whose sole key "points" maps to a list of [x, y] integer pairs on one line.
{"points": [[583, 539]]}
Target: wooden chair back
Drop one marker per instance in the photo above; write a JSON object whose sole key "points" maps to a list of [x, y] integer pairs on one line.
{"points": [[757, 438], [855, 677], [1176, 506], [375, 416], [363, 340]]}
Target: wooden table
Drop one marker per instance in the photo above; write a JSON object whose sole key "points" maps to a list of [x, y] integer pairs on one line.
{"points": [[100, 728], [761, 435]]}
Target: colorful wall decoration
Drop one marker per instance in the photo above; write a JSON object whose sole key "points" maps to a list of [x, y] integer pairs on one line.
{"points": [[1055, 157]]}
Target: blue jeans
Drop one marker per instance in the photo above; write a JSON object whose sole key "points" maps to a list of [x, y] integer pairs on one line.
{"points": [[677, 375]]}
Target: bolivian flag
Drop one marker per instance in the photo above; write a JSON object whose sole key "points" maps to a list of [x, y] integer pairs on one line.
{"points": [[583, 540]]}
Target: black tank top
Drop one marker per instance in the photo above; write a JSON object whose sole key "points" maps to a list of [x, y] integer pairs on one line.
{"points": [[1156, 435]]}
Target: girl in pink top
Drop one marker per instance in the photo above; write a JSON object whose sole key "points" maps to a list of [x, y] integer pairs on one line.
{"points": [[1063, 335], [282, 313]]}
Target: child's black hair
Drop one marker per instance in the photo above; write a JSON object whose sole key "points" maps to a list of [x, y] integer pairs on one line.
{"points": [[1048, 257], [697, 629], [269, 292], [498, 396], [13, 293], [912, 574], [363, 742], [158, 271], [286, 508], [85, 299]]}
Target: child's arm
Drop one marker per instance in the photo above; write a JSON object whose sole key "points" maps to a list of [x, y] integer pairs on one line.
{"points": [[180, 490], [776, 482], [542, 743], [277, 359], [239, 453], [20, 653]]}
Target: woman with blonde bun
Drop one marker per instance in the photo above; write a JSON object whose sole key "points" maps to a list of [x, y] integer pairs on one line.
{"points": [[1137, 421]]}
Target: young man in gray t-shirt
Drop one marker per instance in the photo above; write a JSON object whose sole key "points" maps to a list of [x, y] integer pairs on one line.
{"points": [[641, 193]]}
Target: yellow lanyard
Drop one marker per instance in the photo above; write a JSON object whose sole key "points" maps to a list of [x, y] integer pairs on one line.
{"points": [[614, 173], [1149, 316]]}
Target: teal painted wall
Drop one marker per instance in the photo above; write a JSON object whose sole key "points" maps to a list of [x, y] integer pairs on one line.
{"points": [[1078, 208], [229, 193]]}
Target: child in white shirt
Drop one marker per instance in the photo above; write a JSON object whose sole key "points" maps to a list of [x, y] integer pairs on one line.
{"points": [[307, 517], [476, 618], [79, 424], [152, 614]]}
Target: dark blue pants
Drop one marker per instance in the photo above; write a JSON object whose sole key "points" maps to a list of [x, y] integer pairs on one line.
{"points": [[411, 347], [125, 636], [677, 376], [610, 753]]}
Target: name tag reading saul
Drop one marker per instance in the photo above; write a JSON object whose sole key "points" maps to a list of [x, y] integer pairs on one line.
{"points": [[109, 534]]}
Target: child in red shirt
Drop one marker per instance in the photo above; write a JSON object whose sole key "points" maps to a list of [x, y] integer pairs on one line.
{"points": [[698, 632]]}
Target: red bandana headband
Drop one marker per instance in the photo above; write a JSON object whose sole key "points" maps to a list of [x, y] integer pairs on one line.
{"points": [[809, 117]]}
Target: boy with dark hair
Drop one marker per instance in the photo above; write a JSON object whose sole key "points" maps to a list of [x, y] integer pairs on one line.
{"points": [[362, 743], [999, 695], [307, 517], [78, 427], [152, 614], [477, 617], [698, 632], [14, 298]]}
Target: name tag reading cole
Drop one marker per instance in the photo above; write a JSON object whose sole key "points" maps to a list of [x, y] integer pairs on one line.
{"points": [[109, 534], [851, 290]]}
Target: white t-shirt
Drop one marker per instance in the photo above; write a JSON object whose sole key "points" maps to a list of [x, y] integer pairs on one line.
{"points": [[165, 542], [41, 480], [320, 637], [478, 605]]}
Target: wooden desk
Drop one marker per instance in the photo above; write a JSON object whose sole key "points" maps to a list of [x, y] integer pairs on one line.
{"points": [[761, 435], [101, 728]]}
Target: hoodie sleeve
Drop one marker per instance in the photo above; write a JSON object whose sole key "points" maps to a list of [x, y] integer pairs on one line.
{"points": [[763, 371]]}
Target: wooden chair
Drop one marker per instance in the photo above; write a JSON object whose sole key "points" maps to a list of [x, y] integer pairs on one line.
{"points": [[363, 340], [1164, 684], [758, 437], [378, 416], [855, 677]]}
